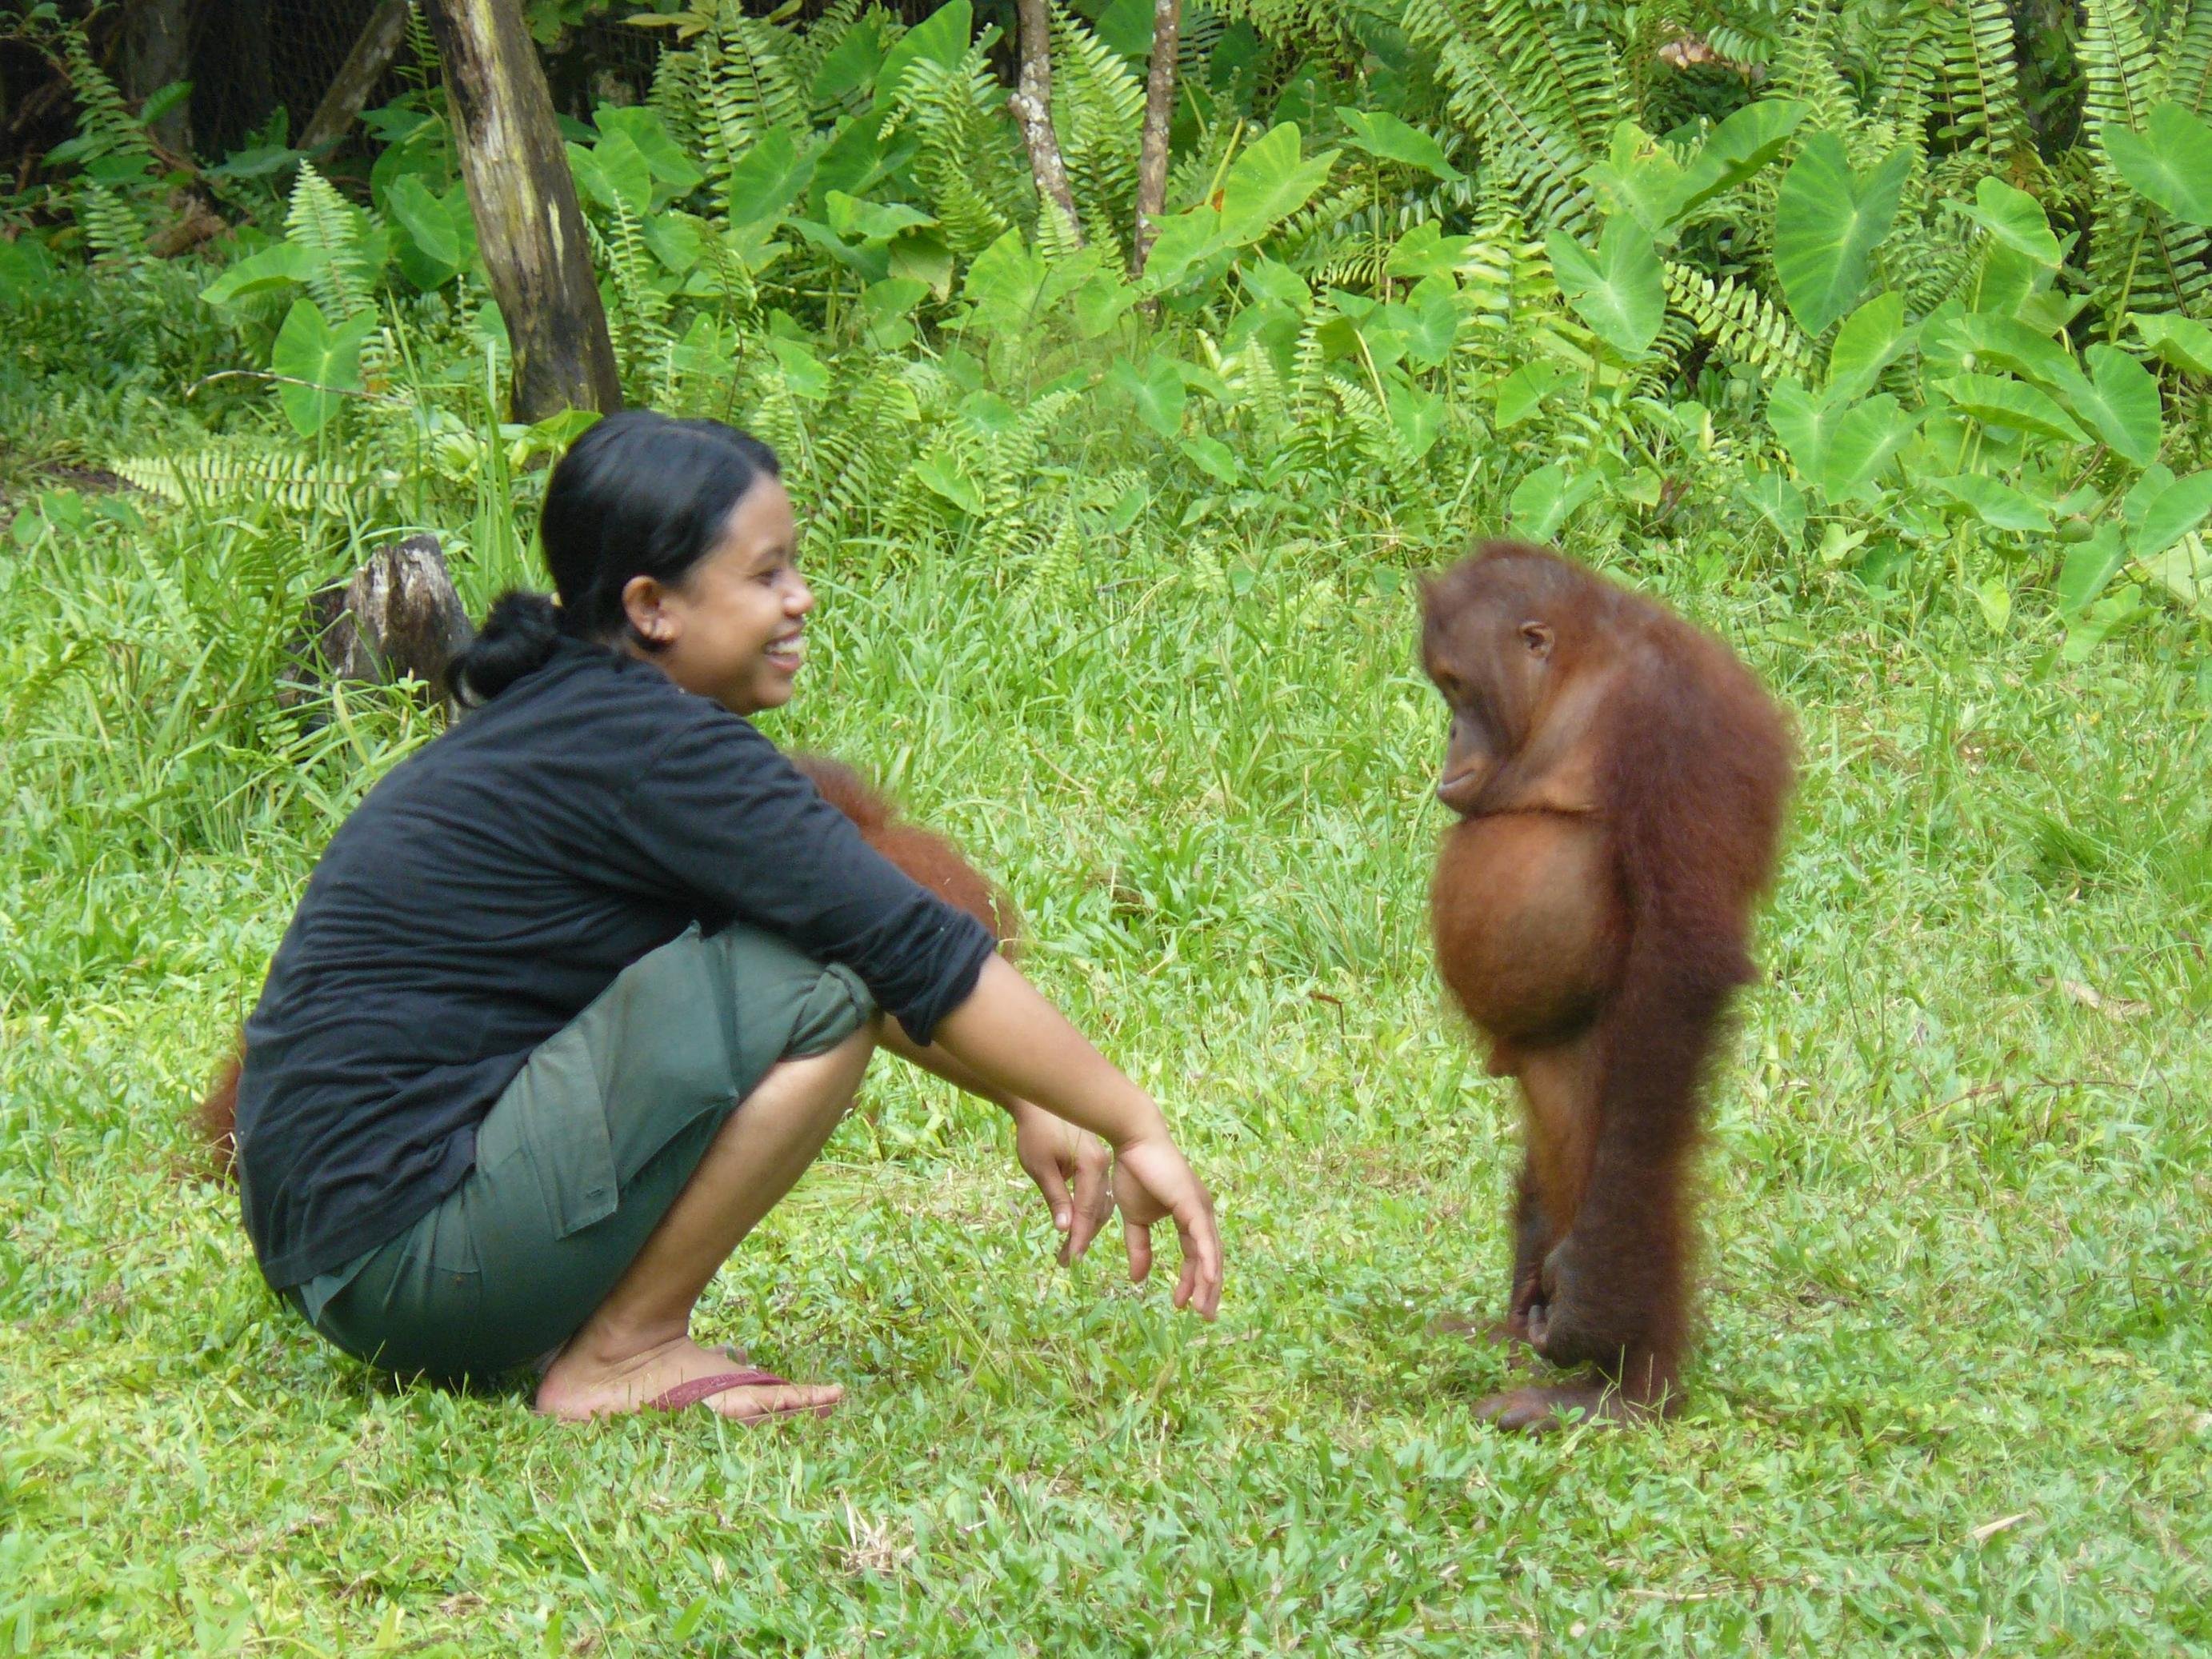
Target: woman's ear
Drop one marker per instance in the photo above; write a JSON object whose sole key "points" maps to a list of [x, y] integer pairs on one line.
{"points": [[645, 602]]}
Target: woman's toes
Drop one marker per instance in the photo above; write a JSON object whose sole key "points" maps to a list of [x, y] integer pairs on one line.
{"points": [[750, 1405]]}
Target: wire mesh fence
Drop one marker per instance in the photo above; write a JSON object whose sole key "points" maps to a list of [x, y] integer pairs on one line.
{"points": [[256, 61]]}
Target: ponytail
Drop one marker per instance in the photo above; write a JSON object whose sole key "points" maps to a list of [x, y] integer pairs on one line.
{"points": [[520, 634]]}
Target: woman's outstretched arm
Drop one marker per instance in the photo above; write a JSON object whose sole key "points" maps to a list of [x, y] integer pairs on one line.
{"points": [[1069, 1165], [1016, 1042]]}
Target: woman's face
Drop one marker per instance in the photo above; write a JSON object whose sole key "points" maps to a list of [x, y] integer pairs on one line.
{"points": [[731, 629]]}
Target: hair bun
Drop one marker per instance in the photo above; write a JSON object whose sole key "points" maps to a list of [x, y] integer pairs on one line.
{"points": [[520, 634]]}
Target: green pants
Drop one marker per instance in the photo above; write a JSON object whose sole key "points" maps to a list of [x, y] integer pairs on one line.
{"points": [[583, 1154]]}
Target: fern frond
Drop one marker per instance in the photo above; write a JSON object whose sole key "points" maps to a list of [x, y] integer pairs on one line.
{"points": [[1097, 111], [639, 321], [1258, 389], [102, 117], [1311, 25], [1375, 437], [2188, 59], [730, 86], [290, 477], [965, 163], [1570, 70], [1982, 80], [1528, 128], [1806, 70], [859, 458], [1742, 324], [112, 226], [2140, 260], [318, 217]]}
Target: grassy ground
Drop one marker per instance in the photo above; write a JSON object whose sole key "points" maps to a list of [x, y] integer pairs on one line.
{"points": [[1955, 1394]]}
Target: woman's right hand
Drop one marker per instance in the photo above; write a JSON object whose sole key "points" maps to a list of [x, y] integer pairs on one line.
{"points": [[1152, 1180]]}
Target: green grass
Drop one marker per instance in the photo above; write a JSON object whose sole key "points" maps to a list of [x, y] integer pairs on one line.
{"points": [[1955, 1389]]}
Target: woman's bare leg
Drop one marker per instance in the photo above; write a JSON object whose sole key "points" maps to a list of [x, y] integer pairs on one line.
{"points": [[638, 1345]]}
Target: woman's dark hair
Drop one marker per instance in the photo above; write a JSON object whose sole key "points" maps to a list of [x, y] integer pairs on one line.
{"points": [[638, 494]]}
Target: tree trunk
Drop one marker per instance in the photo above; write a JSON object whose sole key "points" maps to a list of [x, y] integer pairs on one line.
{"points": [[1032, 103], [157, 49], [529, 228], [395, 619], [378, 44], [1159, 115]]}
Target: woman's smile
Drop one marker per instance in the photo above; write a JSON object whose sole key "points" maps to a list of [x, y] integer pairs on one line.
{"points": [[787, 652]]}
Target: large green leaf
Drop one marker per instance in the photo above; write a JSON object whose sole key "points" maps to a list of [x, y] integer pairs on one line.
{"points": [[1860, 448], [852, 63], [2170, 165], [1520, 393], [319, 364], [1828, 220], [1543, 500], [1181, 241], [643, 127], [1869, 340], [1381, 133], [2181, 341], [1995, 503], [1268, 183], [2090, 566], [614, 172], [1640, 179], [1620, 291], [1010, 284], [1157, 390], [1840, 444], [942, 39], [2120, 400], [2185, 570], [441, 238], [1780, 503], [2014, 220], [273, 268], [2170, 514], [1993, 342], [858, 221], [1738, 146], [1424, 250], [1806, 424], [1418, 416], [1995, 400], [768, 178]]}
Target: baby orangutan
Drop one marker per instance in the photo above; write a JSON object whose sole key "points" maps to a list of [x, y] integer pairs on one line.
{"points": [[1620, 778], [925, 856]]}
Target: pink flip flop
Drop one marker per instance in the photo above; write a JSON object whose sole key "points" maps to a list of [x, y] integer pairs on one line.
{"points": [[705, 1387]]}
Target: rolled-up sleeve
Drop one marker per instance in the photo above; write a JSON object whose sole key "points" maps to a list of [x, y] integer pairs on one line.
{"points": [[719, 813]]}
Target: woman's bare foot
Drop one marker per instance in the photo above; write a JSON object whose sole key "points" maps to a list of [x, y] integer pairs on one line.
{"points": [[579, 1386]]}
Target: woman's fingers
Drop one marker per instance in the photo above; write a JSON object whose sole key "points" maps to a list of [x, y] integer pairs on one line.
{"points": [[1199, 1286], [1094, 1200], [1138, 1237], [1152, 1180], [1054, 1185]]}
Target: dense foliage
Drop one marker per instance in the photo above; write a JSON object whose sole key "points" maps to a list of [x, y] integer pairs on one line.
{"points": [[1825, 283]]}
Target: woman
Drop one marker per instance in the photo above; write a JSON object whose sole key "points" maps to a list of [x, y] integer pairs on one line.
{"points": [[580, 991]]}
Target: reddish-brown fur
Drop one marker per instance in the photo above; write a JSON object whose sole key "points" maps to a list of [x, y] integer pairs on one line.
{"points": [[928, 857], [1620, 780]]}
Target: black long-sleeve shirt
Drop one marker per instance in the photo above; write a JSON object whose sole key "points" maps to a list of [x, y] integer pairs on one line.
{"points": [[492, 885]]}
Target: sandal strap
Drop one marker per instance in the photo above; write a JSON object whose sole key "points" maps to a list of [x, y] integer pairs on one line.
{"points": [[704, 1387]]}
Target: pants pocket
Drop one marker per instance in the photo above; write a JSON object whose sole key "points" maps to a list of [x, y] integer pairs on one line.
{"points": [[550, 1131]]}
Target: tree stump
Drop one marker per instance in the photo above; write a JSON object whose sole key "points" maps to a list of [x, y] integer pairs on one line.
{"points": [[395, 619]]}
